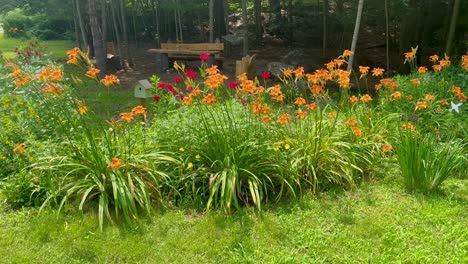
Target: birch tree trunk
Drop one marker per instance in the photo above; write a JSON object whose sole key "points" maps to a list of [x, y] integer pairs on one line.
{"points": [[355, 34], [99, 51]]}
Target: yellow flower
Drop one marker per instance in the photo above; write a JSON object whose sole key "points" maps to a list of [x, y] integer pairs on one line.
{"points": [[197, 156], [276, 148], [83, 109], [181, 149], [287, 146], [189, 165]]}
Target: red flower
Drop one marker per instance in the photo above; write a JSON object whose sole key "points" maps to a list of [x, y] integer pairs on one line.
{"points": [[173, 92], [161, 85], [170, 87], [181, 96], [191, 74], [156, 98], [204, 56], [177, 79], [233, 85], [266, 75], [189, 88]]}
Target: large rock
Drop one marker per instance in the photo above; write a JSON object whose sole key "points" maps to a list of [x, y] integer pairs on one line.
{"points": [[233, 40], [276, 68]]}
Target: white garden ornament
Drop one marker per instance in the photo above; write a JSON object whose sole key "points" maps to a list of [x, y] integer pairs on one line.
{"points": [[455, 107]]}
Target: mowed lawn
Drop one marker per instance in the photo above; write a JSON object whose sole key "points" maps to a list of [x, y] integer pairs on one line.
{"points": [[376, 223], [57, 49]]}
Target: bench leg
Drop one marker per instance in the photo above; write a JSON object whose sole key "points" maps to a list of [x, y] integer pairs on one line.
{"points": [[162, 60]]}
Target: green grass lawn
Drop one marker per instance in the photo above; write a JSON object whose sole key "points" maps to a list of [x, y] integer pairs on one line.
{"points": [[56, 48], [377, 223]]}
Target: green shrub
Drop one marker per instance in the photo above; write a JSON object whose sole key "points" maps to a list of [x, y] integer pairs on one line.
{"points": [[426, 163]]}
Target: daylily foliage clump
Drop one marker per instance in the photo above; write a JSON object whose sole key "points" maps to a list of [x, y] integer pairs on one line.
{"points": [[212, 142]]}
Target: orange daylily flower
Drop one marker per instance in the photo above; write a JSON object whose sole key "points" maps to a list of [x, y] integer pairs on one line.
{"points": [[83, 109], [366, 98], [444, 102], [357, 131], [429, 97], [299, 72], [316, 89], [283, 119], [444, 63], [300, 101], [353, 99], [139, 110], [434, 58], [209, 99], [408, 126], [437, 67], [332, 114], [386, 148], [52, 89], [312, 106], [287, 72], [19, 149], [110, 80], [92, 73], [422, 69], [465, 62], [347, 53], [351, 122], [56, 75], [416, 81], [462, 97], [377, 72], [301, 114], [396, 95], [409, 97], [212, 70], [363, 70], [188, 101], [456, 89], [115, 163], [195, 93], [421, 105], [128, 117], [266, 119]]}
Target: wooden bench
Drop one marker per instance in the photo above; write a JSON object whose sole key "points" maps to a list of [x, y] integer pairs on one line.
{"points": [[172, 51]]}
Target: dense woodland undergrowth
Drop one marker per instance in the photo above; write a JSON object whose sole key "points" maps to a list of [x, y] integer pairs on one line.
{"points": [[206, 142]]}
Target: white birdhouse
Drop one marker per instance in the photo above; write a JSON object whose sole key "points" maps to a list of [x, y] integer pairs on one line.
{"points": [[143, 89]]}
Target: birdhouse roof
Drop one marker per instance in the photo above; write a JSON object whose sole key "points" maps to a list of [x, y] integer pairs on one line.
{"points": [[145, 83]]}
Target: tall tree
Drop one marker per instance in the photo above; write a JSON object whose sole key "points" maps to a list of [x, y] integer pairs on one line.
{"points": [[453, 25], [245, 49], [115, 23], [387, 38], [324, 20], [258, 21], [355, 34], [211, 22], [99, 51], [81, 23]]}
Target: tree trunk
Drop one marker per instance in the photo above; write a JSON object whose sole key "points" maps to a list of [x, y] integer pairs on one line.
{"points": [[355, 34], [258, 21], [116, 29], [76, 25], [290, 22], [99, 51], [245, 49], [226, 15], [211, 24], [387, 38], [81, 23], [453, 25], [126, 47], [104, 22], [324, 37]]}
